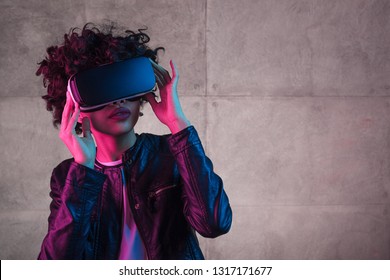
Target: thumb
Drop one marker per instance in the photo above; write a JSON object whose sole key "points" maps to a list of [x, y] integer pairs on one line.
{"points": [[151, 99], [86, 126]]}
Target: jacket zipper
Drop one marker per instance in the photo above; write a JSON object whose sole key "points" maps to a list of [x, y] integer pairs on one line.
{"points": [[154, 193]]}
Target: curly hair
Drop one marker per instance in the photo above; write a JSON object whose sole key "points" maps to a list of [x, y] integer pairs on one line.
{"points": [[87, 49]]}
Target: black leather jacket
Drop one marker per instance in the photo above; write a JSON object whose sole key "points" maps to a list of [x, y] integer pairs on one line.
{"points": [[172, 192]]}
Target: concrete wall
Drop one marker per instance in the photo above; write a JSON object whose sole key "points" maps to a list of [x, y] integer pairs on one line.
{"points": [[291, 99]]}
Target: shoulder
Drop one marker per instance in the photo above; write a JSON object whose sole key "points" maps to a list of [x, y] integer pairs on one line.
{"points": [[171, 143], [155, 143], [64, 165], [61, 170]]}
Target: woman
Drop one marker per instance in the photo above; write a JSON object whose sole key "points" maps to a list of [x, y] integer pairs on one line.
{"points": [[124, 195]]}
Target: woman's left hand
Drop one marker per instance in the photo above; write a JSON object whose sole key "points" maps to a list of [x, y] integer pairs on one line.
{"points": [[168, 110]]}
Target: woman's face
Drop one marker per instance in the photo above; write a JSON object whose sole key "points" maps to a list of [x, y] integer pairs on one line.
{"points": [[114, 119]]}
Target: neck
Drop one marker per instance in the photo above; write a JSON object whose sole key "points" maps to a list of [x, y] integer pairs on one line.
{"points": [[110, 148]]}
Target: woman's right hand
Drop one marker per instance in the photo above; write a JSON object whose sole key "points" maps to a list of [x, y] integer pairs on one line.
{"points": [[82, 148]]}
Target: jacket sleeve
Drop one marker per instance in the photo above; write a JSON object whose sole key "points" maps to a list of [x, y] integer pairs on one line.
{"points": [[74, 193], [206, 205]]}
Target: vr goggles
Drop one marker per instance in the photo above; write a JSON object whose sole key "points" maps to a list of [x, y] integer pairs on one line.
{"points": [[95, 88]]}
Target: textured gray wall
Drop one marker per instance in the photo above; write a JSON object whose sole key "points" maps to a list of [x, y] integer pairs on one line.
{"points": [[290, 97]]}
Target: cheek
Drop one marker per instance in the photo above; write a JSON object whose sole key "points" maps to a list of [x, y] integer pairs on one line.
{"points": [[96, 120], [95, 123], [134, 113], [134, 107]]}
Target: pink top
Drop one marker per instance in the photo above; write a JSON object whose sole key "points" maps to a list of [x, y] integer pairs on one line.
{"points": [[132, 247]]}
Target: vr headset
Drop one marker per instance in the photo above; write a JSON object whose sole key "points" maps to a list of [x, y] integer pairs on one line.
{"points": [[95, 88]]}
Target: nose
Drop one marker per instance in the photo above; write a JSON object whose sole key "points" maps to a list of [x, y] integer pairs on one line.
{"points": [[119, 102]]}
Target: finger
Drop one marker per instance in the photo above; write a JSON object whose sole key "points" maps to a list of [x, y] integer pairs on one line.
{"points": [[151, 99], [174, 69], [175, 74], [69, 100], [74, 118], [86, 127], [158, 67], [161, 71], [66, 113], [160, 78], [165, 73], [160, 83]]}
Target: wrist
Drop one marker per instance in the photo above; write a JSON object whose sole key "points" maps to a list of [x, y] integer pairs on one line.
{"points": [[86, 164], [178, 125]]}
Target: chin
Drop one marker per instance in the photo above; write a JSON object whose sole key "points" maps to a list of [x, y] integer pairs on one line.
{"points": [[118, 131]]}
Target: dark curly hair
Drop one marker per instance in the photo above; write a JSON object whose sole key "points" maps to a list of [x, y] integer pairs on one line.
{"points": [[90, 48]]}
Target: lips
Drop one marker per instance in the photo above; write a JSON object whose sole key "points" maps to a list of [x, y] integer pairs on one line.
{"points": [[120, 114]]}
